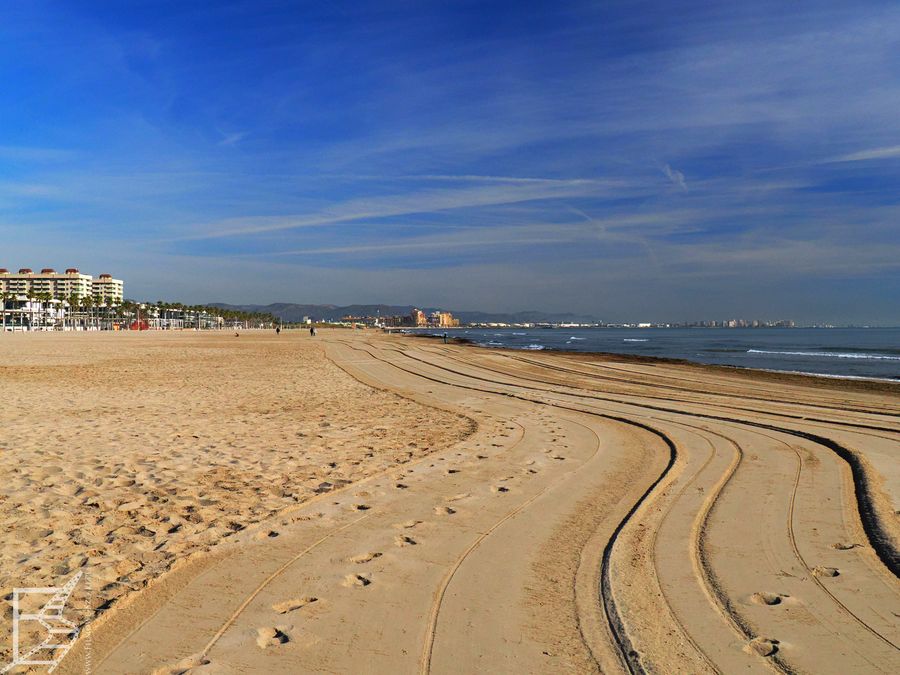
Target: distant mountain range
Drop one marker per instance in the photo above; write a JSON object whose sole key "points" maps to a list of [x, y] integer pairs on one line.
{"points": [[291, 312]]}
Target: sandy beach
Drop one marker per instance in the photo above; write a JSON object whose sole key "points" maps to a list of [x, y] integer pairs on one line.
{"points": [[359, 502]]}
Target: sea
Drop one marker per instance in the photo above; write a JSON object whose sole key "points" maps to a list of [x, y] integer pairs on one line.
{"points": [[837, 352]]}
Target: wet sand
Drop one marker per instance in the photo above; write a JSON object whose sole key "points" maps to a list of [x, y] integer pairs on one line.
{"points": [[485, 510]]}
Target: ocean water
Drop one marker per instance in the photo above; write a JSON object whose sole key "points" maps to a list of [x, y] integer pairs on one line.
{"points": [[843, 352]]}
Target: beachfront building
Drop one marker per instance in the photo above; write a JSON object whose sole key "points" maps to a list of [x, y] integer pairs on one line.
{"points": [[367, 321], [442, 320], [418, 318], [27, 283], [64, 286], [107, 289], [48, 299]]}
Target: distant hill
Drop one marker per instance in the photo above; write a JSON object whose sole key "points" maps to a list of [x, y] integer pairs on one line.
{"points": [[291, 312]]}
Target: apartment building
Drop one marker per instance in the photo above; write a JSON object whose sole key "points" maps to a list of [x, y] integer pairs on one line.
{"points": [[417, 318], [61, 285], [108, 289], [442, 320]]}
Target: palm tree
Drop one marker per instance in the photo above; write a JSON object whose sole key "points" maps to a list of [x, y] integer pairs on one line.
{"points": [[102, 311], [98, 303], [120, 312], [5, 298], [88, 303], [74, 306], [124, 310], [45, 299], [31, 298]]}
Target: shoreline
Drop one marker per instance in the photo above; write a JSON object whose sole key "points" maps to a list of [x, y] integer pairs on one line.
{"points": [[851, 382]]}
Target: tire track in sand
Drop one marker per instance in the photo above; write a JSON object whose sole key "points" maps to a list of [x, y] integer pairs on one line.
{"points": [[703, 563], [627, 655], [876, 531]]}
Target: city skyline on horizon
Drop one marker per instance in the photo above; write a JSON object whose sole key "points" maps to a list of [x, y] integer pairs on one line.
{"points": [[620, 161], [677, 321]]}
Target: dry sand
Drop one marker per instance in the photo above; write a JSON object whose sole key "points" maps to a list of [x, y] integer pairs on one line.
{"points": [[367, 503]]}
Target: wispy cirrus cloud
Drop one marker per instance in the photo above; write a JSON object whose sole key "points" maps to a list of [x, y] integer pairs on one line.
{"points": [[229, 139], [675, 177], [410, 203], [35, 154], [465, 178], [889, 152]]}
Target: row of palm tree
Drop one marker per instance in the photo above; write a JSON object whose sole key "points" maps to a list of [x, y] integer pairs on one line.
{"points": [[194, 315], [97, 311], [90, 307]]}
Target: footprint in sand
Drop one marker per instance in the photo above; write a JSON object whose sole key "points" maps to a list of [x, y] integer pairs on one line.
{"points": [[183, 666], [365, 557], [826, 571], [269, 636], [845, 547], [480, 456], [764, 598], [461, 495], [401, 486], [294, 603], [266, 534], [361, 507], [762, 646], [499, 488], [452, 471], [402, 540], [559, 457], [357, 580], [407, 524], [444, 510]]}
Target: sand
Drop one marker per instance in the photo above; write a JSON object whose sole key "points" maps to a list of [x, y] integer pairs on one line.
{"points": [[368, 503], [123, 454]]}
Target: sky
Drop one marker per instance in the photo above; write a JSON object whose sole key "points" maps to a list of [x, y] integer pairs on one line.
{"points": [[638, 160]]}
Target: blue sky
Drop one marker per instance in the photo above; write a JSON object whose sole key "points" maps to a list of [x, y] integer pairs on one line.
{"points": [[632, 160]]}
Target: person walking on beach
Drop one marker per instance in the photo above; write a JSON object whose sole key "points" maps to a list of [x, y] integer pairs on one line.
{"points": [[312, 331], [277, 330], [445, 338]]}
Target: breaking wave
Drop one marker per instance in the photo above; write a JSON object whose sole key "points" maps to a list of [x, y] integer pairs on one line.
{"points": [[837, 355]]}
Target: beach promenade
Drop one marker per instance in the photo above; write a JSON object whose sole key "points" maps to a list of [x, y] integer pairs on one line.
{"points": [[360, 502]]}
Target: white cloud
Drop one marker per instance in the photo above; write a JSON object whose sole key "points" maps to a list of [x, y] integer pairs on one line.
{"points": [[889, 152], [232, 139], [33, 154], [676, 177], [425, 201]]}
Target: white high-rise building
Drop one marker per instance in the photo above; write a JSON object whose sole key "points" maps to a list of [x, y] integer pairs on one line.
{"points": [[108, 289], [61, 285]]}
